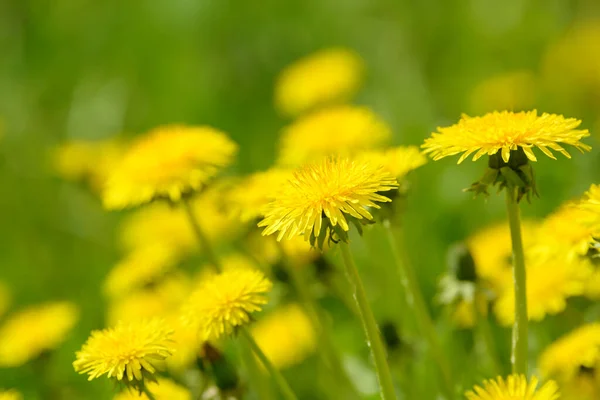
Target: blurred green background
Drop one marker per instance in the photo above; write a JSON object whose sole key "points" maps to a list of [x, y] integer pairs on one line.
{"points": [[93, 69]]}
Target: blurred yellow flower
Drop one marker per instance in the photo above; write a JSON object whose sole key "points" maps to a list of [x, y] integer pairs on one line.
{"points": [[30, 332], [328, 76], [551, 279], [248, 199], [463, 312], [506, 131], [573, 360], [161, 389], [398, 161], [168, 162], [225, 301], [515, 387], [338, 130], [286, 336], [510, 91], [129, 350], [10, 394], [89, 162], [591, 199], [4, 298], [141, 267], [326, 190], [164, 225]]}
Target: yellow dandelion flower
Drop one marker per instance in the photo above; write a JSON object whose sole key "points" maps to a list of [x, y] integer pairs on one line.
{"points": [[565, 358], [10, 394], [591, 199], [510, 91], [551, 279], [30, 332], [162, 389], [129, 350], [87, 161], [286, 336], [332, 190], [515, 387], [248, 199], [141, 267], [328, 76], [168, 162], [159, 224], [225, 301], [398, 161], [4, 298], [338, 130], [505, 132]]}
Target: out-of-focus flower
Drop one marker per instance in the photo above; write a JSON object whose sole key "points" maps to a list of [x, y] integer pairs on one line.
{"points": [[248, 199], [129, 351], [552, 277], [225, 301], [89, 162], [573, 361], [161, 389], [10, 394], [510, 91], [164, 225], [28, 333], [167, 163], [515, 387], [398, 161], [506, 131], [342, 130], [321, 198], [328, 76], [141, 267], [286, 336]]}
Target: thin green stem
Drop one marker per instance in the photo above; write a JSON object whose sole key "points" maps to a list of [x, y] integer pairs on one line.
{"points": [[255, 374], [148, 393], [519, 354], [485, 333], [202, 238], [374, 340], [284, 386], [414, 299]]}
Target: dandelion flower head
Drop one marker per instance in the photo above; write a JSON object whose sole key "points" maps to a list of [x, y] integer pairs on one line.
{"points": [[514, 387], [28, 333], [323, 195], [161, 389], [286, 336], [342, 130], [10, 394], [398, 161], [505, 132], [325, 77], [168, 162], [127, 351], [225, 301]]}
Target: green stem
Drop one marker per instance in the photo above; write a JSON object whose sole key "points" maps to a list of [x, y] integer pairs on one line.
{"points": [[148, 393], [414, 299], [519, 335], [326, 347], [374, 340], [255, 374], [284, 386], [202, 238], [485, 333]]}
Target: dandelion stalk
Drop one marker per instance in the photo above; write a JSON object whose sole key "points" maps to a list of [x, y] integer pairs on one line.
{"points": [[284, 386], [384, 376], [202, 238], [519, 334], [255, 374], [414, 299]]}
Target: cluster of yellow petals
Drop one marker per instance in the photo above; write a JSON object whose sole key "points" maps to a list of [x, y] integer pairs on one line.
{"points": [[34, 330], [328, 76], [341, 130], [224, 301], [506, 131], [127, 351], [10, 394], [168, 162], [514, 387], [329, 189], [398, 161]]}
